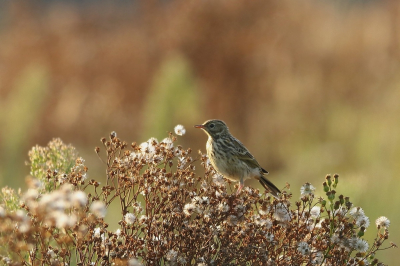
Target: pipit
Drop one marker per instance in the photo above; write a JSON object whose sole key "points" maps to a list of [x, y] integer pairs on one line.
{"points": [[230, 158]]}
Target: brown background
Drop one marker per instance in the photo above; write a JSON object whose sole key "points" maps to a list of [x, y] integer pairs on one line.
{"points": [[310, 87]]}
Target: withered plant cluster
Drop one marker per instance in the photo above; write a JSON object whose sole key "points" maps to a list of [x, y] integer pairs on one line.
{"points": [[169, 215]]}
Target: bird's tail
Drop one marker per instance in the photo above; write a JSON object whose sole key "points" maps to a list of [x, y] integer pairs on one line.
{"points": [[269, 186]]}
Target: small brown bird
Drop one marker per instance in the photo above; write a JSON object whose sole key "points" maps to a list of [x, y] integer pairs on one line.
{"points": [[230, 157]]}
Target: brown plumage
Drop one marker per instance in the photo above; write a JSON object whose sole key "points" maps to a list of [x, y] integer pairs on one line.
{"points": [[230, 157]]}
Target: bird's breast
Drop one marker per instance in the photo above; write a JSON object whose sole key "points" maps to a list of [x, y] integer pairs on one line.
{"points": [[225, 162]]}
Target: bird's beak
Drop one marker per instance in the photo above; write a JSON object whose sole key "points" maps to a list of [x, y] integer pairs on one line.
{"points": [[199, 126]]}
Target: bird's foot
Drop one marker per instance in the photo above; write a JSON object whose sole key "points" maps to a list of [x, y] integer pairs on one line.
{"points": [[239, 188]]}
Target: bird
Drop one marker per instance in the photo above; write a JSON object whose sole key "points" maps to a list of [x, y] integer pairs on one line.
{"points": [[231, 158]]}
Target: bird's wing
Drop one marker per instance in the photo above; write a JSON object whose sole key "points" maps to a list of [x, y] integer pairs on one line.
{"points": [[244, 155]]}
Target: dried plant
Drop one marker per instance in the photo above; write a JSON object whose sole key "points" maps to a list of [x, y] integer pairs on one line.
{"points": [[185, 219]]}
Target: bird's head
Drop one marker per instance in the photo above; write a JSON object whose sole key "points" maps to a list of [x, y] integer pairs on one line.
{"points": [[214, 128]]}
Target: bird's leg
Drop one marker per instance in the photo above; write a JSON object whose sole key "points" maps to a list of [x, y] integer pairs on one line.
{"points": [[241, 185]]}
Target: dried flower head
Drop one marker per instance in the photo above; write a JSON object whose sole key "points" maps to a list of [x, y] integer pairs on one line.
{"points": [[281, 212], [307, 189], [130, 218], [303, 248], [359, 244], [382, 222], [180, 130], [315, 211], [98, 208]]}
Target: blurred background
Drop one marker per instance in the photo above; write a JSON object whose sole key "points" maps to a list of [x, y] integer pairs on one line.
{"points": [[310, 87]]}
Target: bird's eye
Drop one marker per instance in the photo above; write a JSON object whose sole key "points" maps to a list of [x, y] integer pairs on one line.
{"points": [[212, 125]]}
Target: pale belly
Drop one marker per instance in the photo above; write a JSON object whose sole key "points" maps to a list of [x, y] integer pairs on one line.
{"points": [[230, 166]]}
